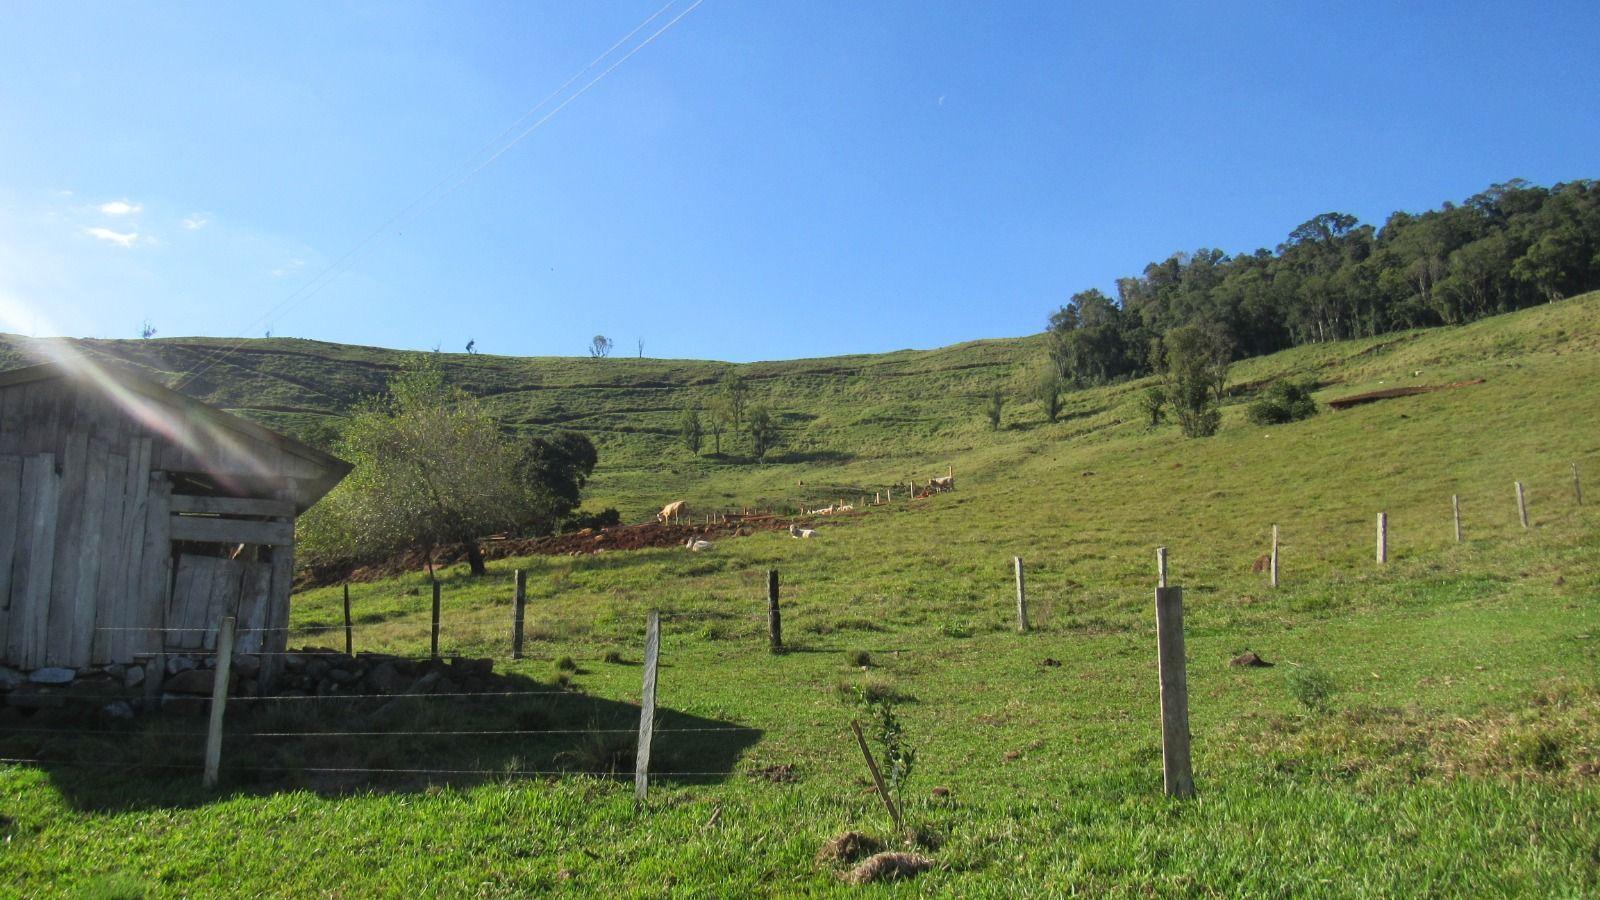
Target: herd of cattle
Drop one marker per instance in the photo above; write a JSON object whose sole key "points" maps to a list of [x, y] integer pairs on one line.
{"points": [[679, 509]]}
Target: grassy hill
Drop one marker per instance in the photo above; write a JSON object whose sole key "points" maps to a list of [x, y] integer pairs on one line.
{"points": [[892, 409], [1456, 752]]}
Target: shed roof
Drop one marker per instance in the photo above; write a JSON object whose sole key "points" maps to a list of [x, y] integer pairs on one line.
{"points": [[103, 379]]}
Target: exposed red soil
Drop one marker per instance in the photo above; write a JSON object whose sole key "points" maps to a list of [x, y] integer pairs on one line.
{"points": [[577, 543]]}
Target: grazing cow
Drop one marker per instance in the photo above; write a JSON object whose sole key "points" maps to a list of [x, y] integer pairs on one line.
{"points": [[675, 508], [947, 483]]}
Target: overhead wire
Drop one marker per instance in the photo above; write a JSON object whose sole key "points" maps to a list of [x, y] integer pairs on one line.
{"points": [[433, 195]]}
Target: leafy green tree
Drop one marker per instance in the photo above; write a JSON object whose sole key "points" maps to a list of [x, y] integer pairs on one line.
{"points": [[994, 405], [1196, 359], [690, 430], [1046, 386], [719, 418], [1153, 403], [552, 472], [736, 393], [432, 469], [1091, 341], [763, 431]]}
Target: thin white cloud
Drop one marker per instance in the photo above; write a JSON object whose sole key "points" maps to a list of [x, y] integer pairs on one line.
{"points": [[292, 265], [196, 221], [120, 208], [113, 237]]}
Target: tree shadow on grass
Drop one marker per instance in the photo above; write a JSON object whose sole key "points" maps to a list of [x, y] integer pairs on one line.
{"points": [[335, 746]]}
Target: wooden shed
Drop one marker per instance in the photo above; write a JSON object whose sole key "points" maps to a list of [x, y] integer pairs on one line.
{"points": [[134, 519]]}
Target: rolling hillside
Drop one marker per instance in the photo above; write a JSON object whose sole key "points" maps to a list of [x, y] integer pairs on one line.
{"points": [[1430, 726], [849, 423]]}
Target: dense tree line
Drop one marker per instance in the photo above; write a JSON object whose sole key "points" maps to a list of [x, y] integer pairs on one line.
{"points": [[1512, 246]]}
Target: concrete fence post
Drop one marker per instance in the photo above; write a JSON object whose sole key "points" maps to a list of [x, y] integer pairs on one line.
{"points": [[1022, 597]]}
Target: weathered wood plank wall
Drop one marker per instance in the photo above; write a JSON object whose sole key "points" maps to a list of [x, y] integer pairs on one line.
{"points": [[91, 527]]}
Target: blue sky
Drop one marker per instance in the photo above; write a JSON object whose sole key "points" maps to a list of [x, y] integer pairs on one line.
{"points": [[761, 181]]}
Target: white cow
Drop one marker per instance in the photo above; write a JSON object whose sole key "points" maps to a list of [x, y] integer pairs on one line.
{"points": [[698, 544], [671, 510]]}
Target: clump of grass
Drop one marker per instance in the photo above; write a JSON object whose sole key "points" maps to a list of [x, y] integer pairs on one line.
{"points": [[1313, 687], [870, 689], [954, 629], [861, 659], [613, 656], [1538, 750], [600, 751], [566, 664], [564, 679]]}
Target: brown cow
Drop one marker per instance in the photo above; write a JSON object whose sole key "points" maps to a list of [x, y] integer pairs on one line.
{"points": [[672, 510]]}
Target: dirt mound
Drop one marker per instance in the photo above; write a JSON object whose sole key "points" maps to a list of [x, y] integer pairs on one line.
{"points": [[849, 847], [1390, 393], [888, 867]]}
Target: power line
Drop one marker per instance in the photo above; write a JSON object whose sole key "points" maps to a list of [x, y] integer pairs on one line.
{"points": [[433, 195]]}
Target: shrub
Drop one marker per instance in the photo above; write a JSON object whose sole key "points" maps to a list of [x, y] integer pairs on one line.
{"points": [[1313, 687], [1283, 402], [1153, 403], [605, 518]]}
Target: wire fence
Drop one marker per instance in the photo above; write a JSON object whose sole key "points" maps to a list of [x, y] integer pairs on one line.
{"points": [[260, 703]]}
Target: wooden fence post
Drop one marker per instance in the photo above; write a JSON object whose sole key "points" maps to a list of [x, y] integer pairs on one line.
{"points": [[349, 630], [891, 494], [434, 641], [774, 618], [1577, 486], [1455, 513], [1176, 773], [1161, 567], [647, 708], [1274, 556], [1383, 538], [1022, 597], [220, 676], [1522, 505], [519, 598]]}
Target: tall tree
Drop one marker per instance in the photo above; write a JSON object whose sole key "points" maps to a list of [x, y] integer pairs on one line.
{"points": [[737, 393], [690, 429], [719, 417], [763, 432], [1196, 361], [993, 406]]}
